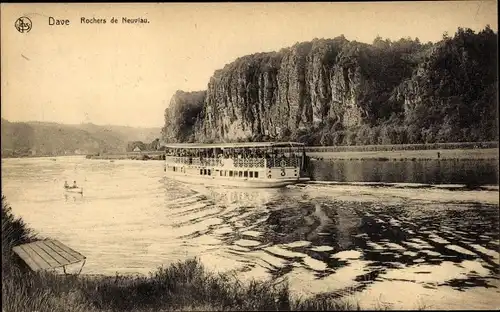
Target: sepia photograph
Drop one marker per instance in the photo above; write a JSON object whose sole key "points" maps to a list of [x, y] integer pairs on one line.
{"points": [[234, 156]]}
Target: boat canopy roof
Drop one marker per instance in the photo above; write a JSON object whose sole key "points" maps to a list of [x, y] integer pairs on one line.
{"points": [[233, 145]]}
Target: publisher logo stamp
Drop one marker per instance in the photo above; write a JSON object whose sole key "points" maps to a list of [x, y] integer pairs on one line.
{"points": [[23, 24]]}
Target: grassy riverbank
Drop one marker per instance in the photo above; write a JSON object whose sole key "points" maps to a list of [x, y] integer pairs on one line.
{"points": [[181, 286], [442, 154]]}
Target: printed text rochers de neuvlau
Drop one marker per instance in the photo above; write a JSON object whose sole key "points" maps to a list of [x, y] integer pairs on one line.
{"points": [[53, 21]]}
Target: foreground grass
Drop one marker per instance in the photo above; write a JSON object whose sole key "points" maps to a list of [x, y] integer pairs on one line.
{"points": [[181, 286]]}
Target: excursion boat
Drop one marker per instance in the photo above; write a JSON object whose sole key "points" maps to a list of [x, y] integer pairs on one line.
{"points": [[78, 190], [254, 164]]}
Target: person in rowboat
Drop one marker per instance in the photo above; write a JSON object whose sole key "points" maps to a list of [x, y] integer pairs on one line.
{"points": [[66, 185], [74, 185]]}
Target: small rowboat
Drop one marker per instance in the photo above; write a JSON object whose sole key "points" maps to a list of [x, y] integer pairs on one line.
{"points": [[78, 190]]}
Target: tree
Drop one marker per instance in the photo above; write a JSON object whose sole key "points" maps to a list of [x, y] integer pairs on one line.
{"points": [[155, 144], [132, 145]]}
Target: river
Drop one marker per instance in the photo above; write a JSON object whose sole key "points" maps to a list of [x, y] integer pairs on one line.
{"points": [[398, 246]]}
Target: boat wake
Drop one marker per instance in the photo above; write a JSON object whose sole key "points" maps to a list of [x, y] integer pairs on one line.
{"points": [[450, 187], [428, 193]]}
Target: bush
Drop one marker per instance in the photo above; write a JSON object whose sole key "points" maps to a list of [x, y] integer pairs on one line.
{"points": [[14, 232]]}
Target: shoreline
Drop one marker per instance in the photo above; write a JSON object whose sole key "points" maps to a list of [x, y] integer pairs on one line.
{"points": [[428, 151], [444, 154], [401, 155], [381, 155]]}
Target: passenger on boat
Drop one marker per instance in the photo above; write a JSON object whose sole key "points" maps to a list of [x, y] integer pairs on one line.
{"points": [[66, 185], [74, 185]]}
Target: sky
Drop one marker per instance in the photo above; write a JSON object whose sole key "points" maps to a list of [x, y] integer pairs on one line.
{"points": [[125, 74]]}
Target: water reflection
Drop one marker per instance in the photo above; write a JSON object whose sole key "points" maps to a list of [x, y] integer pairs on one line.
{"points": [[472, 172], [289, 232]]}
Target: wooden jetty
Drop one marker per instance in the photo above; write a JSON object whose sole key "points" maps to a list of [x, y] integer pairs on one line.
{"points": [[48, 254]]}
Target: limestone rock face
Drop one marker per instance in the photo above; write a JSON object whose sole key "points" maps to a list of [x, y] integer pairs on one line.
{"points": [[268, 93], [182, 115]]}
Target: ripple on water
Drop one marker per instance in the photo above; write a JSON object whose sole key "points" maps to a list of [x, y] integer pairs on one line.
{"points": [[190, 229], [302, 283], [284, 252], [460, 250], [421, 243], [322, 248], [247, 243], [375, 246], [410, 253], [239, 249], [297, 244], [417, 246], [252, 233], [394, 246], [314, 264], [438, 274], [494, 254], [437, 239], [223, 230], [254, 272], [348, 254], [431, 253], [268, 260]]}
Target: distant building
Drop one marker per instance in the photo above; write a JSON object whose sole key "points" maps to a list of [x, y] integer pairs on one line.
{"points": [[137, 149]]}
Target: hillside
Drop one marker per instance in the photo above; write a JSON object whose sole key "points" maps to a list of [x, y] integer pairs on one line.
{"points": [[341, 92], [46, 138]]}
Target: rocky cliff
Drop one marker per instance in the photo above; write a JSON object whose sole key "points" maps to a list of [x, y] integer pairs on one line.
{"points": [[335, 91], [182, 116], [278, 93]]}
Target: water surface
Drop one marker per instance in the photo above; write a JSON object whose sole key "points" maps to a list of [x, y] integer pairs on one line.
{"points": [[453, 171], [393, 247]]}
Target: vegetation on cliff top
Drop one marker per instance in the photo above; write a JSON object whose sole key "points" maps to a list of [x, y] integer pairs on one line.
{"points": [[340, 92]]}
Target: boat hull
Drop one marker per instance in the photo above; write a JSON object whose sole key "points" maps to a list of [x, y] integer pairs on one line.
{"points": [[78, 190], [234, 182]]}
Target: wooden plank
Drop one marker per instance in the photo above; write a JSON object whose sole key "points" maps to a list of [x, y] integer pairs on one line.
{"points": [[42, 265], [70, 251], [58, 254], [26, 258], [59, 250], [43, 255], [53, 254], [47, 254]]}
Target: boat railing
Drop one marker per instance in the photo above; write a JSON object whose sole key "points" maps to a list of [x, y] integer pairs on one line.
{"points": [[283, 162], [238, 162], [177, 159], [249, 162]]}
